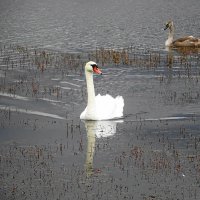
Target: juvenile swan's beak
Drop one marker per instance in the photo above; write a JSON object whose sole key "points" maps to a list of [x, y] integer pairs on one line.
{"points": [[166, 26]]}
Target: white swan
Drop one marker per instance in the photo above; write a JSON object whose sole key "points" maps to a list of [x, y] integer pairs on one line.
{"points": [[100, 107], [188, 41]]}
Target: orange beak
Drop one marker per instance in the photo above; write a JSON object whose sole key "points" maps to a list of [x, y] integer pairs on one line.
{"points": [[97, 70]]}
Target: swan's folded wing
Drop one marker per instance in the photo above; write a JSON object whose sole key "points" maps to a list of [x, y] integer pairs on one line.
{"points": [[186, 41], [108, 107], [183, 39]]}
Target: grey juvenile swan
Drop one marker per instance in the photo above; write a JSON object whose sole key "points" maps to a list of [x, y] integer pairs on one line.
{"points": [[188, 41]]}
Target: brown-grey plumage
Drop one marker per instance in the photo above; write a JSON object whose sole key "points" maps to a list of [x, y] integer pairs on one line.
{"points": [[188, 41]]}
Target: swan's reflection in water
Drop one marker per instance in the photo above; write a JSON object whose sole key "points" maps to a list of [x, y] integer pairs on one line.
{"points": [[96, 129], [184, 51]]}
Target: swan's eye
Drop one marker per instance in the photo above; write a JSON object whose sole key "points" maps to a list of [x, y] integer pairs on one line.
{"points": [[94, 66], [96, 69]]}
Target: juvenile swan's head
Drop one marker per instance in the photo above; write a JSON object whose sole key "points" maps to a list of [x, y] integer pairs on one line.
{"points": [[169, 25], [92, 67]]}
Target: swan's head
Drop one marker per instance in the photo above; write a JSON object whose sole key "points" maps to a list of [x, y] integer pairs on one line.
{"points": [[92, 67], [169, 25]]}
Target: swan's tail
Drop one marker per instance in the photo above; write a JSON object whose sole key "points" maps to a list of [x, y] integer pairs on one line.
{"points": [[119, 106]]}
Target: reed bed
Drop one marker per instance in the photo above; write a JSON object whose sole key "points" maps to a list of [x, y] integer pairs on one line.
{"points": [[24, 70], [12, 56]]}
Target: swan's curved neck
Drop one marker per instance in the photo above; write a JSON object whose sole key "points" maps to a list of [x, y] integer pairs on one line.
{"points": [[90, 89], [170, 36]]}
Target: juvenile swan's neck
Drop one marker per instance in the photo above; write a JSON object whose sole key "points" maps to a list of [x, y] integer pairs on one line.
{"points": [[90, 89], [170, 36]]}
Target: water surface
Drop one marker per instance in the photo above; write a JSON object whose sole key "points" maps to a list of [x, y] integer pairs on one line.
{"points": [[85, 25], [47, 152]]}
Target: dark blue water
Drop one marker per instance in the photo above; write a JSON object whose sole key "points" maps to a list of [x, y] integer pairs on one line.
{"points": [[68, 25]]}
